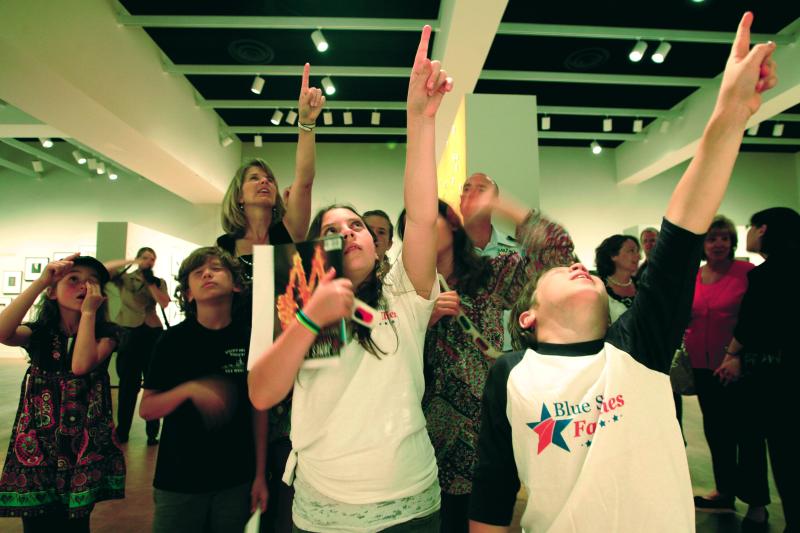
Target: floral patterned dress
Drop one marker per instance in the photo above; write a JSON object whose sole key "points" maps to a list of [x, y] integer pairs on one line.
{"points": [[456, 369], [62, 455]]}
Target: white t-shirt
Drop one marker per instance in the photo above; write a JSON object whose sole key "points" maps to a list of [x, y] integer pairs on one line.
{"points": [[358, 432]]}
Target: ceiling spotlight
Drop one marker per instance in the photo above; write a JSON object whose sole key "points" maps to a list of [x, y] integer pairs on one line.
{"points": [[638, 124], [596, 148], [291, 116], [79, 157], [226, 140], [276, 117], [375, 119], [664, 126], [319, 40], [92, 163], [47, 143], [327, 84], [258, 85], [752, 130], [347, 118], [327, 118], [101, 168], [112, 175], [661, 52], [777, 130], [608, 124], [37, 166], [637, 52], [545, 123], [258, 141]]}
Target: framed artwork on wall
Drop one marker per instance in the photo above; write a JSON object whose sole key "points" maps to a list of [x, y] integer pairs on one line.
{"points": [[12, 282], [34, 266]]}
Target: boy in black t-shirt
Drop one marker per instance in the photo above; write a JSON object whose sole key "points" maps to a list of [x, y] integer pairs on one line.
{"points": [[209, 464]]}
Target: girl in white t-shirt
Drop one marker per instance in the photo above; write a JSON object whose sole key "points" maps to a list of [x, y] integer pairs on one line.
{"points": [[362, 460]]}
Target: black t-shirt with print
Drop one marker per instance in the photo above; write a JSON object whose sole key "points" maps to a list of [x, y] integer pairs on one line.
{"points": [[193, 458]]}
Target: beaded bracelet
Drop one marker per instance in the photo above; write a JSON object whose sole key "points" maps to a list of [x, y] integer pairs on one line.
{"points": [[307, 322]]}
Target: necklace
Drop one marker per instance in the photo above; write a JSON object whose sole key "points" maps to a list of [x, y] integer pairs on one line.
{"points": [[612, 281]]}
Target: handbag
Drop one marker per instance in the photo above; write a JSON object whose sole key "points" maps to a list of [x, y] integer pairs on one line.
{"points": [[681, 375]]}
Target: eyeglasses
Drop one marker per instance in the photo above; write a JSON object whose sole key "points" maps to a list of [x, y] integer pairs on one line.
{"points": [[485, 347]]}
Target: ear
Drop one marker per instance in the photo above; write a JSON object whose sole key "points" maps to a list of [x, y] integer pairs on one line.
{"points": [[761, 230], [527, 319], [189, 297], [236, 288], [50, 292]]}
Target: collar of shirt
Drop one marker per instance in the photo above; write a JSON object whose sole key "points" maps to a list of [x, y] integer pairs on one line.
{"points": [[498, 243]]}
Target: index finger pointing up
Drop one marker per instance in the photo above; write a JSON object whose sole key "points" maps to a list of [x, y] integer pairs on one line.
{"points": [[304, 83], [422, 49], [741, 44]]}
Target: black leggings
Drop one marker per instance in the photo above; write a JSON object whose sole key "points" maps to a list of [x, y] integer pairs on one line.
{"points": [[55, 522], [133, 359]]}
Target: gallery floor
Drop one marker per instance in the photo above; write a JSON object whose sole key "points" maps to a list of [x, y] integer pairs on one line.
{"points": [[134, 514]]}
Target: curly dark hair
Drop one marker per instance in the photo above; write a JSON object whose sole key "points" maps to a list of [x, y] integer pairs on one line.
{"points": [[609, 248], [470, 269], [371, 289], [195, 260]]}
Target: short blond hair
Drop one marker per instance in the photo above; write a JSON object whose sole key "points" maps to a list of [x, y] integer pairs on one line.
{"points": [[234, 222]]}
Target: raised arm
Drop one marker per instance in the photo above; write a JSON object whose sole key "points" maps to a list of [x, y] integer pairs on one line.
{"points": [[12, 333], [652, 328], [747, 74], [298, 210], [272, 375], [426, 87], [115, 264]]}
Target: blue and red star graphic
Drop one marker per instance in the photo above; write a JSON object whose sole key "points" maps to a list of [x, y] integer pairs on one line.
{"points": [[549, 430]]}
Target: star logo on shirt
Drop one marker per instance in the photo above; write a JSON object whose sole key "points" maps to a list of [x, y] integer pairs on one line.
{"points": [[549, 430]]}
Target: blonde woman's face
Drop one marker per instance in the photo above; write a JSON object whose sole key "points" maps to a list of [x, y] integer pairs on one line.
{"points": [[258, 188]]}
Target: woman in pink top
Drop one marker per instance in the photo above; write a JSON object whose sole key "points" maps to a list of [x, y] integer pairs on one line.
{"points": [[720, 286]]}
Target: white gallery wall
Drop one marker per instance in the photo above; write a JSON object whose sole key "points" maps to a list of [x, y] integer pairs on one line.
{"points": [[579, 190], [60, 212]]}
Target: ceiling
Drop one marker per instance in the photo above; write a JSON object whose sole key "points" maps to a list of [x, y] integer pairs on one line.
{"points": [[152, 88], [572, 57]]}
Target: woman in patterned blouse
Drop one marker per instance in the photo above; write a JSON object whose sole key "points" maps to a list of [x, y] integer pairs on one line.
{"points": [[465, 335]]}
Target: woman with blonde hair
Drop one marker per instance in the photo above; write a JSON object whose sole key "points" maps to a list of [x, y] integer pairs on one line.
{"points": [[253, 211]]}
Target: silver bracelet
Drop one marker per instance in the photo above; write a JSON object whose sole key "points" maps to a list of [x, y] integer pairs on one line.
{"points": [[306, 127]]}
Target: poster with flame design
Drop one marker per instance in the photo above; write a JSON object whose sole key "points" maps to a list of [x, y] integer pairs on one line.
{"points": [[284, 277]]}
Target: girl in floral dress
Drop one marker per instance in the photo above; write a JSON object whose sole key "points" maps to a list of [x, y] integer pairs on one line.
{"points": [[62, 458]]}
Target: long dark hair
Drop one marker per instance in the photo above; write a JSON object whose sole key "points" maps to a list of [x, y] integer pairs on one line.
{"points": [[469, 269], [48, 315], [783, 230], [371, 289], [608, 249]]}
